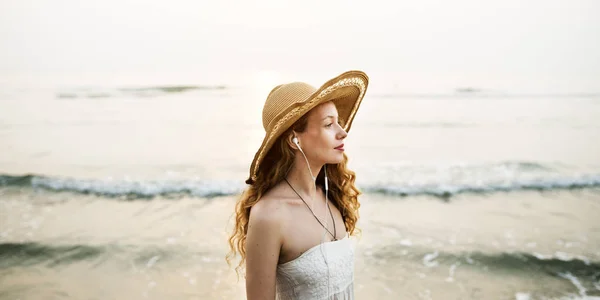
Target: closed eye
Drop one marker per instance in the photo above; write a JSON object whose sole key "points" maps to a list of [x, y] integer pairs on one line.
{"points": [[339, 123]]}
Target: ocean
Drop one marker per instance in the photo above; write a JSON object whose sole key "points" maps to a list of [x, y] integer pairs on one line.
{"points": [[127, 192]]}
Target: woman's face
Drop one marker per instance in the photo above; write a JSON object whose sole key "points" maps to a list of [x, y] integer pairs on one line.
{"points": [[323, 136]]}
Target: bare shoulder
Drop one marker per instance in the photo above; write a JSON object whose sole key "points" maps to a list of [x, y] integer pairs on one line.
{"points": [[270, 208], [263, 246]]}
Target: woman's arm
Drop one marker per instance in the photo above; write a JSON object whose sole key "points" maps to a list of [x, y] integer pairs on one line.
{"points": [[263, 243]]}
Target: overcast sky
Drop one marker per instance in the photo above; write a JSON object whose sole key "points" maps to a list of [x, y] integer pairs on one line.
{"points": [[503, 44]]}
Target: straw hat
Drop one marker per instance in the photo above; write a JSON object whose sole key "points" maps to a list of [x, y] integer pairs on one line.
{"points": [[289, 102]]}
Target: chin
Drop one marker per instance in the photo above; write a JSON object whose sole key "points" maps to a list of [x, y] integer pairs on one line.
{"points": [[336, 159]]}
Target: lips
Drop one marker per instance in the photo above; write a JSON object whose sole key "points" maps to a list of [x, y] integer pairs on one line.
{"points": [[340, 147]]}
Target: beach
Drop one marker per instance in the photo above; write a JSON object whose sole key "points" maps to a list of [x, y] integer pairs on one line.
{"points": [[421, 248]]}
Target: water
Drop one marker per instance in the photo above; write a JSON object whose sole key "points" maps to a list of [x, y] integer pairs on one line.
{"points": [[127, 192]]}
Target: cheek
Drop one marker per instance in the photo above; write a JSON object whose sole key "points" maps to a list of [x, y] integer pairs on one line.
{"points": [[321, 140], [315, 144], [327, 139]]}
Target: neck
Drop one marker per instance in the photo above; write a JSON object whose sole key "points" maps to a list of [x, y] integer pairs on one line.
{"points": [[300, 178]]}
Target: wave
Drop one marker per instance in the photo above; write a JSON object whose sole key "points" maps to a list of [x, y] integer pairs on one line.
{"points": [[556, 264], [553, 265], [125, 189], [131, 190], [29, 254], [402, 180], [149, 91], [34, 254], [449, 190]]}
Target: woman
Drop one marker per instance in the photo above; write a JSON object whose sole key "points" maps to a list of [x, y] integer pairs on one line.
{"points": [[293, 222]]}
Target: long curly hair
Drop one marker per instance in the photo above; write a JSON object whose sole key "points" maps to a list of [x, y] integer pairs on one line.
{"points": [[342, 192]]}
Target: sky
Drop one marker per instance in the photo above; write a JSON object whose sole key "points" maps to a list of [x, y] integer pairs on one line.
{"points": [[411, 45]]}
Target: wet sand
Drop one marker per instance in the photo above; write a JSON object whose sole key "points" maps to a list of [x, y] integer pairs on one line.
{"points": [[526, 244]]}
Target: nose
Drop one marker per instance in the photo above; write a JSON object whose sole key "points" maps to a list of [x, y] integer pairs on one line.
{"points": [[342, 134]]}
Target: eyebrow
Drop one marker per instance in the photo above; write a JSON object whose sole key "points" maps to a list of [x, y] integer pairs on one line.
{"points": [[328, 117]]}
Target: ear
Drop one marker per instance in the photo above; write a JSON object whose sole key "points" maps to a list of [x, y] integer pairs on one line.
{"points": [[290, 142]]}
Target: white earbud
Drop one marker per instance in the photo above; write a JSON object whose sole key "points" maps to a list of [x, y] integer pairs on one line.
{"points": [[295, 140]]}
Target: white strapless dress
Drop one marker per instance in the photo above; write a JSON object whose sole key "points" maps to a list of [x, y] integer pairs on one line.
{"points": [[306, 276]]}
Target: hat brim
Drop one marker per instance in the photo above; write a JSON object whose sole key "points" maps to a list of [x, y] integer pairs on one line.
{"points": [[346, 91]]}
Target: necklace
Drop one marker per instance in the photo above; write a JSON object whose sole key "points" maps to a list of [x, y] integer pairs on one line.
{"points": [[331, 214]]}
